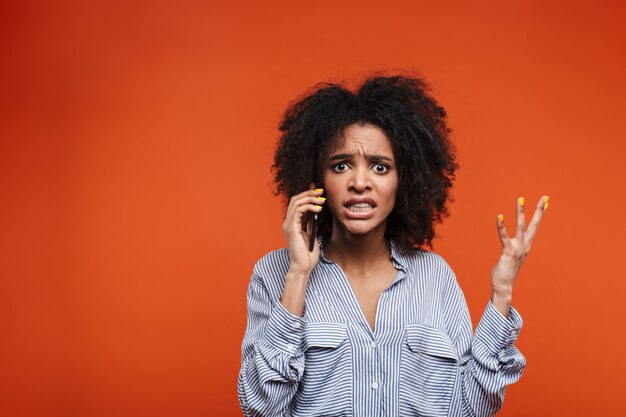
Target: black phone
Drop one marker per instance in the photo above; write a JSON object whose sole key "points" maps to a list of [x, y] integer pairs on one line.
{"points": [[313, 229], [313, 233]]}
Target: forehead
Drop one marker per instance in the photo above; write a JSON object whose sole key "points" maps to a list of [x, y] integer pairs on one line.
{"points": [[368, 139]]}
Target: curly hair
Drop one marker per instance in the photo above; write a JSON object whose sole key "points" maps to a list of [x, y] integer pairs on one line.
{"points": [[414, 123]]}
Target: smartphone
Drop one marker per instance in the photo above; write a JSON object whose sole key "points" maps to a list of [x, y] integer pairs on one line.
{"points": [[314, 229], [313, 233]]}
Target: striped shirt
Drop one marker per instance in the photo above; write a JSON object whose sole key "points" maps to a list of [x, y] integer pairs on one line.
{"points": [[420, 360]]}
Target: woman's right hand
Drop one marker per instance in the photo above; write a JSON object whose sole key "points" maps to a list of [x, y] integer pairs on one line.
{"points": [[297, 233]]}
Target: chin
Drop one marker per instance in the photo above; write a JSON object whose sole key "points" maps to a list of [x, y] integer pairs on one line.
{"points": [[355, 228]]}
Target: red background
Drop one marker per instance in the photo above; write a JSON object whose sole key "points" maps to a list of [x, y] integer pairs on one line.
{"points": [[135, 150]]}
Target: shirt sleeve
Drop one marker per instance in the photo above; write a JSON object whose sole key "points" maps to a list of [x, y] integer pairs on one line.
{"points": [[489, 360], [272, 360]]}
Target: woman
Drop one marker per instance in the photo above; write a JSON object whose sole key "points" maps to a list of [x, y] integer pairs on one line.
{"points": [[370, 323]]}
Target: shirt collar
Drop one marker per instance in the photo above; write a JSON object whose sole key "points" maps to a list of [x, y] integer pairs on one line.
{"points": [[398, 258]]}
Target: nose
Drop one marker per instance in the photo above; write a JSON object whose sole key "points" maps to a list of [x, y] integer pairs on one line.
{"points": [[360, 180]]}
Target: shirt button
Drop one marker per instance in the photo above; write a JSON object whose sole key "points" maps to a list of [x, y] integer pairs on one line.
{"points": [[374, 385], [296, 325], [513, 333], [373, 344], [290, 347]]}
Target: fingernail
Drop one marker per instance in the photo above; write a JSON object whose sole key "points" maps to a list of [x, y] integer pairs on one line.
{"points": [[500, 217], [318, 207], [321, 198], [319, 190], [545, 206], [521, 201]]}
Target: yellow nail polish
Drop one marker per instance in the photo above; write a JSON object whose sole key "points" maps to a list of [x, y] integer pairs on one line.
{"points": [[521, 201], [500, 217], [545, 206], [319, 190], [318, 206], [321, 198]]}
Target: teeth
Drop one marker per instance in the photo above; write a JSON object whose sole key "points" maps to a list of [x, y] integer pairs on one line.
{"points": [[360, 207]]}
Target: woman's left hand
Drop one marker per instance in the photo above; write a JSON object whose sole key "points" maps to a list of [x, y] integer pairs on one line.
{"points": [[514, 251]]}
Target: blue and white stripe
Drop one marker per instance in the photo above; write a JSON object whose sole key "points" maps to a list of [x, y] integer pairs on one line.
{"points": [[421, 359]]}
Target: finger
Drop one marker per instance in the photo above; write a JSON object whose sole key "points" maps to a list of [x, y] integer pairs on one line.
{"points": [[309, 196], [309, 223], [308, 199], [520, 220], [542, 205], [297, 210], [309, 219], [504, 236], [304, 214], [309, 226]]}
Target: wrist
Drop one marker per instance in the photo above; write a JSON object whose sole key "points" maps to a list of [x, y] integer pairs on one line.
{"points": [[501, 300], [502, 291], [297, 274]]}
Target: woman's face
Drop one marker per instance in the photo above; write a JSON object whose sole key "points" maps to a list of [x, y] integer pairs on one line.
{"points": [[361, 180]]}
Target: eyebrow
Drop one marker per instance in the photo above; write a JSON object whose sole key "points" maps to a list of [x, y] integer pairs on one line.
{"points": [[351, 155]]}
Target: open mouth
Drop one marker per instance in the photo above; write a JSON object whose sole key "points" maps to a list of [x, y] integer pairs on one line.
{"points": [[360, 207]]}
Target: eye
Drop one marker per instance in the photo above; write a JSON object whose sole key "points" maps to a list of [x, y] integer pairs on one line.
{"points": [[381, 168], [340, 167]]}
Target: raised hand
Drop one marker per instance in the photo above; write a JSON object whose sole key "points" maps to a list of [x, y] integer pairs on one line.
{"points": [[297, 233], [514, 251], [301, 261]]}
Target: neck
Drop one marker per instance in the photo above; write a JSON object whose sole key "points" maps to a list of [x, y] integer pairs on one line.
{"points": [[357, 252]]}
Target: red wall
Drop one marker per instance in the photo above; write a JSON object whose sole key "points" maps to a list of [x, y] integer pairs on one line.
{"points": [[135, 145]]}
